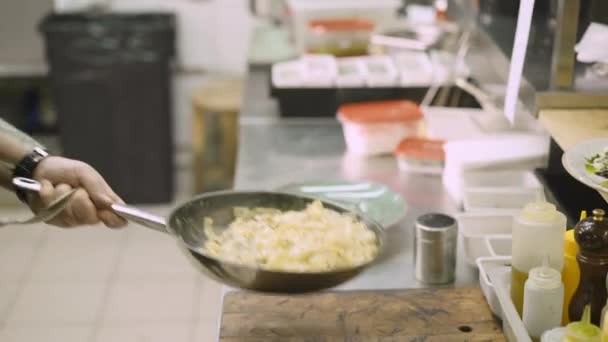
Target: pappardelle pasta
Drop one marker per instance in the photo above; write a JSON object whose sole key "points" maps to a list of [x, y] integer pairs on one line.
{"points": [[315, 239]]}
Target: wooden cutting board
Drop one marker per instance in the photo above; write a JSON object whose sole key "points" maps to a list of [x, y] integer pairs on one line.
{"points": [[431, 315]]}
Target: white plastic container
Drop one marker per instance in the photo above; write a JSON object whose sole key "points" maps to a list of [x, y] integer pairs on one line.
{"points": [[288, 74], [380, 71], [543, 300], [475, 228], [501, 190], [319, 70], [508, 200], [487, 265], [495, 280], [512, 325], [501, 179], [538, 233], [495, 152], [499, 245], [351, 72], [374, 128], [440, 123]]}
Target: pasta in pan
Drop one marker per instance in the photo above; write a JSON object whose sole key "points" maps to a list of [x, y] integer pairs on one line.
{"points": [[315, 239]]}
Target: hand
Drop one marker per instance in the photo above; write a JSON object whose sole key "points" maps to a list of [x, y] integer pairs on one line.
{"points": [[91, 202]]}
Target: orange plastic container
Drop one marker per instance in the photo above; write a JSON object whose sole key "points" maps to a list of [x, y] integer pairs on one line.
{"points": [[420, 155], [372, 128]]}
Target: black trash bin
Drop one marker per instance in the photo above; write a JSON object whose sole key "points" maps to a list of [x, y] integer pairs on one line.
{"points": [[110, 79]]}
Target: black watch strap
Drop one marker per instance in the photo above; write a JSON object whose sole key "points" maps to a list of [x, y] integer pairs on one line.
{"points": [[26, 167]]}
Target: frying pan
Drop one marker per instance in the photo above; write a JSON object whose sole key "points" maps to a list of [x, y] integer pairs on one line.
{"points": [[185, 223]]}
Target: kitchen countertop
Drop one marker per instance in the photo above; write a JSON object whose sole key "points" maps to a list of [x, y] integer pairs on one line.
{"points": [[275, 151]]}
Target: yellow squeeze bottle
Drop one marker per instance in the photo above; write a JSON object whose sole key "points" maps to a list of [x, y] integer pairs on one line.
{"points": [[570, 273]]}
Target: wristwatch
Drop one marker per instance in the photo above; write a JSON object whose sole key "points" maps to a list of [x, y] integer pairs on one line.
{"points": [[26, 167]]}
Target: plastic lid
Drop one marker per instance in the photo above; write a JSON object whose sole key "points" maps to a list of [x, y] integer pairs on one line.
{"points": [[326, 25], [545, 277], [420, 148], [380, 111], [436, 221], [540, 212], [583, 331]]}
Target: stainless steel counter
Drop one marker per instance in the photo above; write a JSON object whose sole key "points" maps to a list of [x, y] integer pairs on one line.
{"points": [[274, 152]]}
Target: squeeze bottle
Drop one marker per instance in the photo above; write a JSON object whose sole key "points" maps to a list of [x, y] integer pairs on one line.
{"points": [[538, 231]]}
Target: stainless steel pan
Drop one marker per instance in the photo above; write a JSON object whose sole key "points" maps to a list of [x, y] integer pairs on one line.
{"points": [[185, 223]]}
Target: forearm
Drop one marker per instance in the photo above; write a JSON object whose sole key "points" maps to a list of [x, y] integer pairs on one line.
{"points": [[12, 150], [14, 145]]}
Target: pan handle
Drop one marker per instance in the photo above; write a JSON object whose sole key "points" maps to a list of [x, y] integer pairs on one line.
{"points": [[143, 218], [132, 214]]}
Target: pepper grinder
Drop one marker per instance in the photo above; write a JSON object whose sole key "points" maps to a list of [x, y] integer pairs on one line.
{"points": [[591, 234]]}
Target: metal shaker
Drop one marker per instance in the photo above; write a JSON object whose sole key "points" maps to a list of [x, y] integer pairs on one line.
{"points": [[435, 248]]}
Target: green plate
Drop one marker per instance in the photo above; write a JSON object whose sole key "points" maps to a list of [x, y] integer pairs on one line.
{"points": [[375, 201]]}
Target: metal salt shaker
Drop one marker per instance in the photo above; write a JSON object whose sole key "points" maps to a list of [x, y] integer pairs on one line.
{"points": [[435, 248]]}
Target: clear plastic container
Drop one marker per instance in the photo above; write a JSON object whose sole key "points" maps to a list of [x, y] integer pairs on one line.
{"points": [[339, 37], [475, 228], [419, 155], [380, 12], [373, 128]]}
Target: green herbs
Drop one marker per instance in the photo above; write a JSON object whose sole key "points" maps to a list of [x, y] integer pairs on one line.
{"points": [[598, 165]]}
